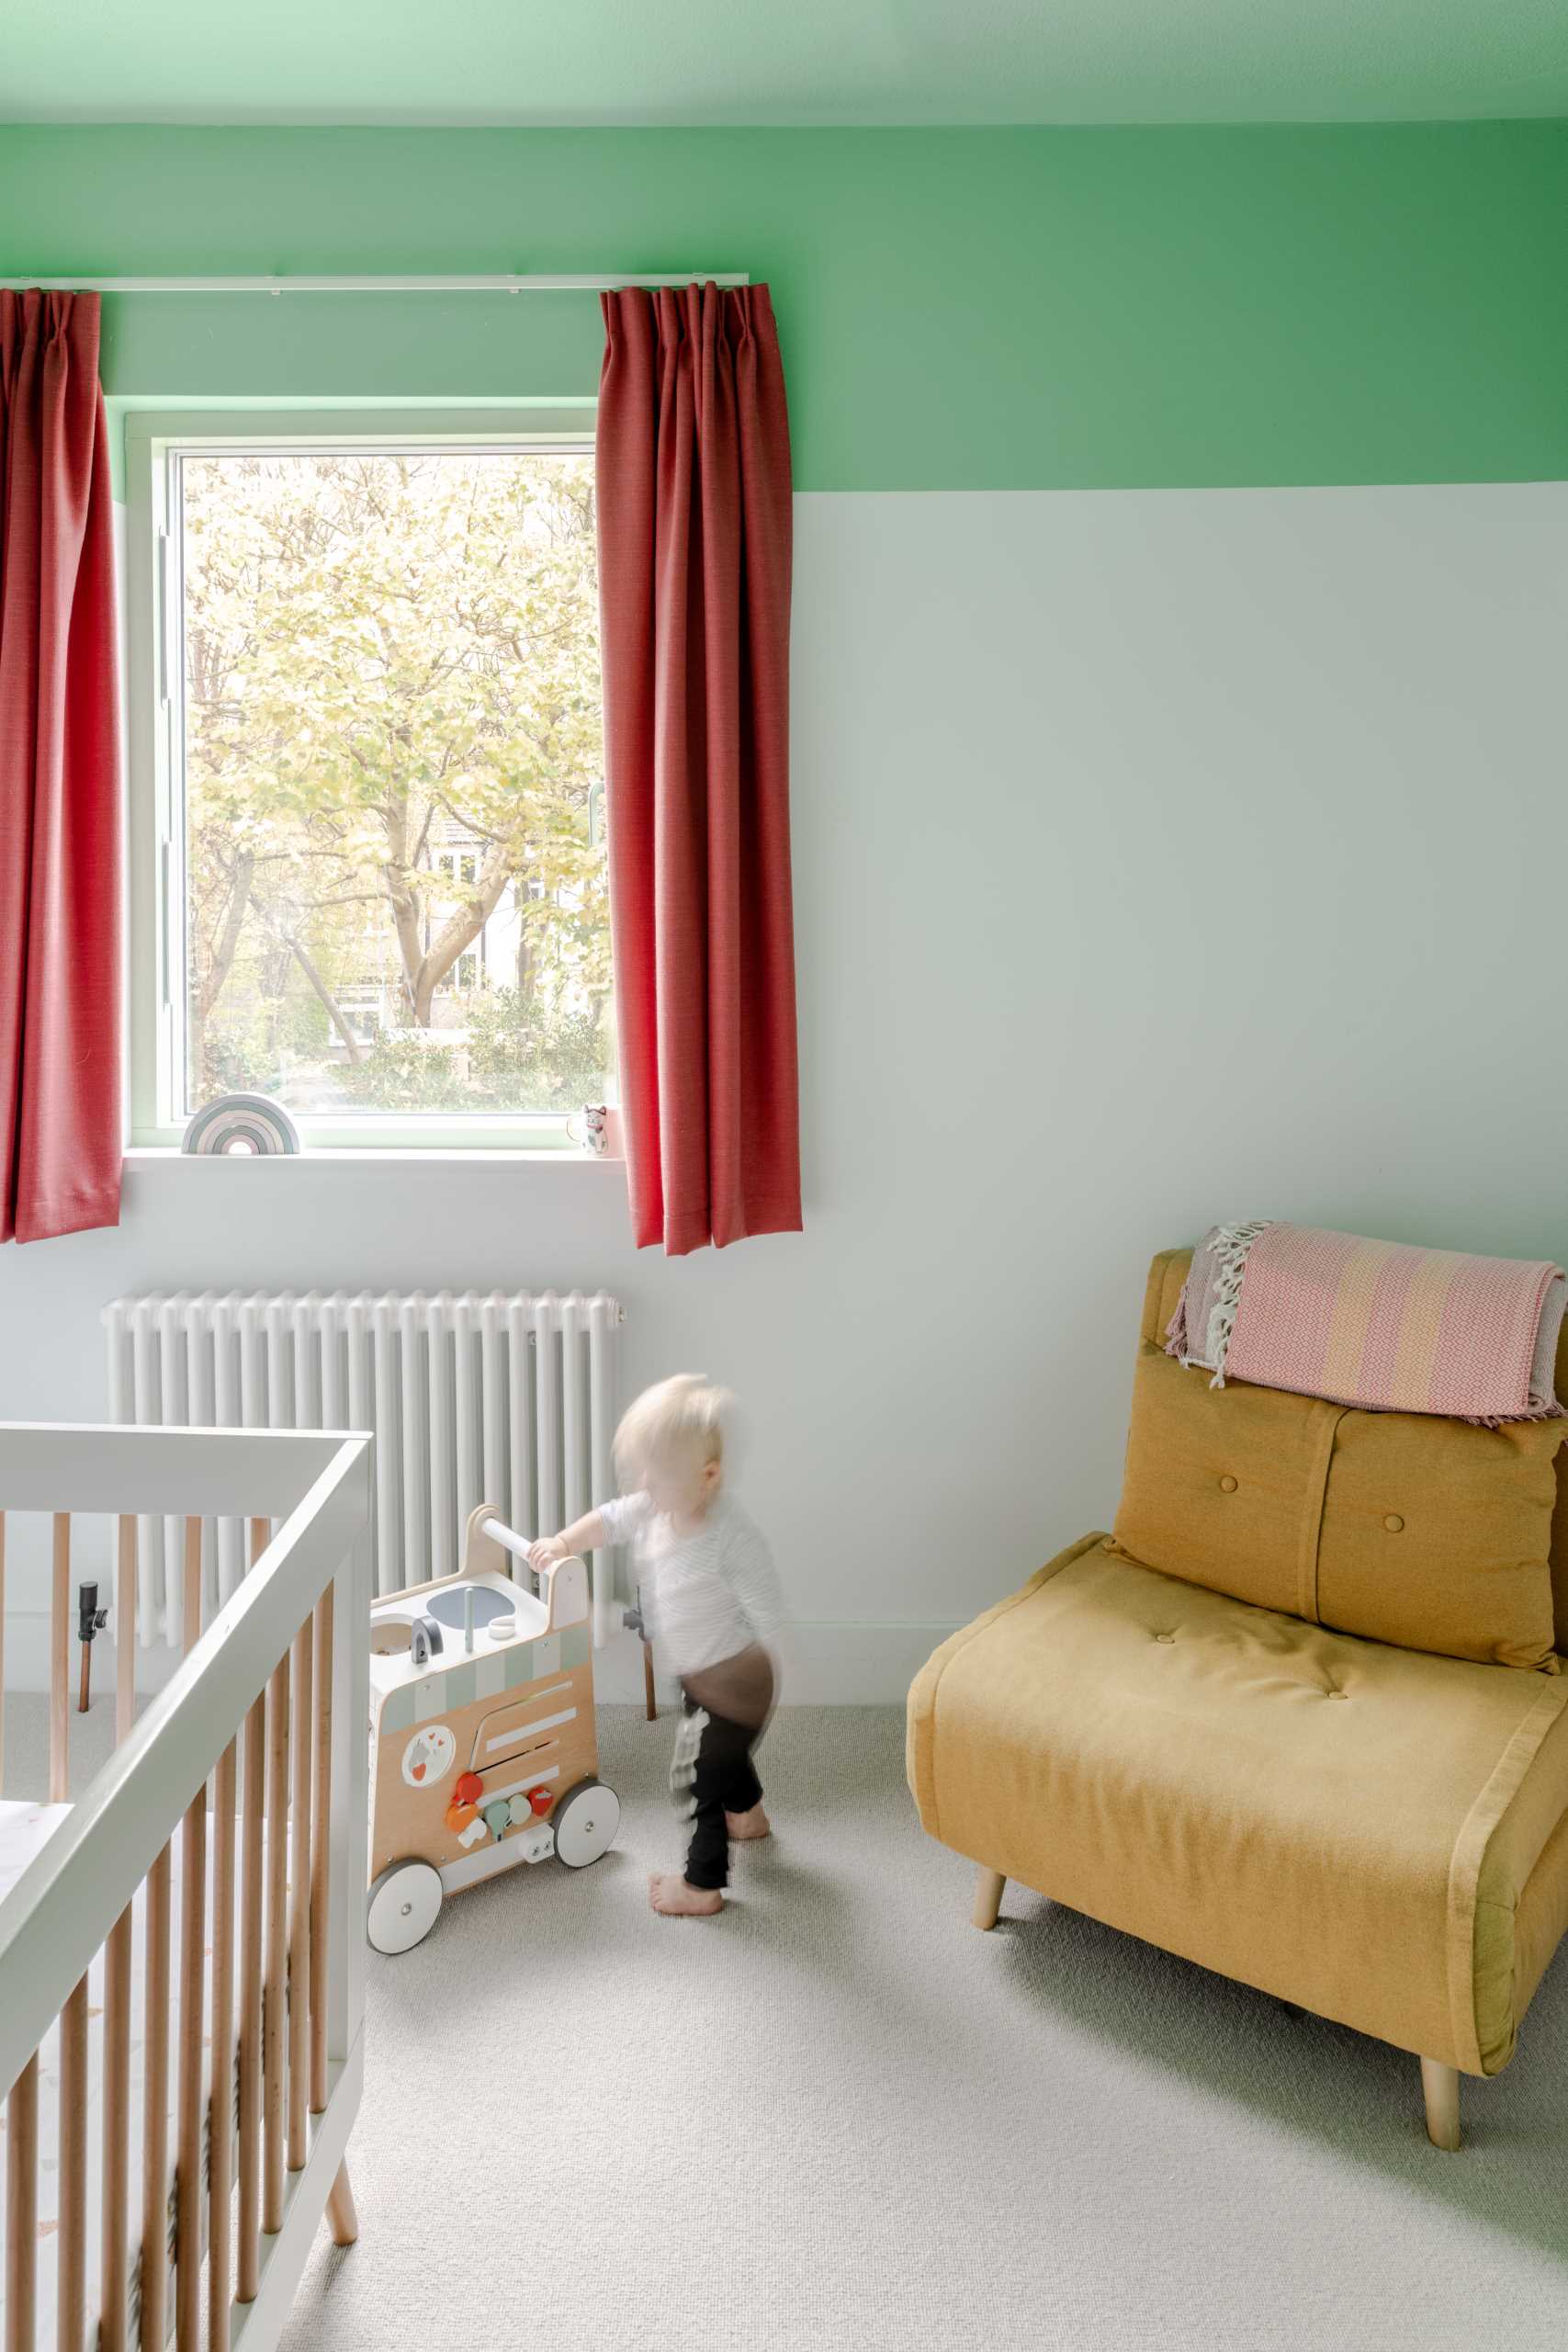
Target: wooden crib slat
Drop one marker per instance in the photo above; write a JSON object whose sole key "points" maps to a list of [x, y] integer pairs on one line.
{"points": [[320, 1830], [21, 2210], [250, 1962], [71, 2308], [113, 2281], [303, 1714], [155, 2111], [125, 1628], [193, 1988], [277, 1930], [60, 1665], [221, 2145], [188, 2158], [252, 1877]]}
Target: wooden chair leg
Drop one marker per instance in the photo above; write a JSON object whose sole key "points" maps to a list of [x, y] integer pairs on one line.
{"points": [[1439, 2084], [342, 2219], [987, 1897]]}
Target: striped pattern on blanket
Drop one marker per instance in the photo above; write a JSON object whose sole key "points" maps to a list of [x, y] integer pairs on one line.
{"points": [[1375, 1324]]}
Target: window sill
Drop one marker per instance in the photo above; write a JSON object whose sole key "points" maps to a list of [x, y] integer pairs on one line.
{"points": [[146, 1156]]}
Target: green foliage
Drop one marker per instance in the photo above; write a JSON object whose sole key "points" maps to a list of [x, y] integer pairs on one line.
{"points": [[405, 1070], [306, 1027], [512, 1053], [558, 1061]]}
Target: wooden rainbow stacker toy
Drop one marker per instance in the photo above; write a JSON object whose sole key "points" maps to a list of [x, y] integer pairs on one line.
{"points": [[483, 1750]]}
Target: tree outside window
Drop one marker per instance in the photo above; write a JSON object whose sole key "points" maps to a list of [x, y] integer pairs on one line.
{"points": [[396, 894]]}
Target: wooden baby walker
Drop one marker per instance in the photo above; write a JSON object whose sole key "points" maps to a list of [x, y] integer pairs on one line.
{"points": [[483, 1750]]}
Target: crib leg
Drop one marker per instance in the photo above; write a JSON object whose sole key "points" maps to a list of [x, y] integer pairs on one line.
{"points": [[342, 2219], [649, 1695], [987, 1897], [1440, 2085]]}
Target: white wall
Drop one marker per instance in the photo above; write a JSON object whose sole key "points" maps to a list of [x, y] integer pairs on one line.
{"points": [[1159, 857]]}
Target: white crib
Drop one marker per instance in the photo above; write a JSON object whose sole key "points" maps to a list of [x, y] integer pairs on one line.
{"points": [[182, 1950]]}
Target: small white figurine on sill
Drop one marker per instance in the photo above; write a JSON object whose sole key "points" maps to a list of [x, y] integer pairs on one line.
{"points": [[710, 1605]]}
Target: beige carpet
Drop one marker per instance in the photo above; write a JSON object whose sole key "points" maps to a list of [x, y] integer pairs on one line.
{"points": [[838, 2118]]}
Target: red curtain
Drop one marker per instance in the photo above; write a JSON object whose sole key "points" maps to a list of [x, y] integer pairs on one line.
{"points": [[59, 826], [694, 543]]}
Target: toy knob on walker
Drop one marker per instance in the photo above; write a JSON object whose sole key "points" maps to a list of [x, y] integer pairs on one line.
{"points": [[541, 1801], [469, 1788]]}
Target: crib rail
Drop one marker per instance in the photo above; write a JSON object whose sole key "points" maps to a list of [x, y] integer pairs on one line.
{"points": [[244, 1782]]}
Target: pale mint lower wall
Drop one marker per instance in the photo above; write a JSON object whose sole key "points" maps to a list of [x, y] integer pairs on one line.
{"points": [[1159, 857]]}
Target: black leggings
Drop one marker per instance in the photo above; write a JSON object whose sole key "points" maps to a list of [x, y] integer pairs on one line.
{"points": [[724, 1780]]}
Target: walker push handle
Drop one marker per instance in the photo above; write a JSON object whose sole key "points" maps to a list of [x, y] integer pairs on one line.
{"points": [[498, 1533], [563, 1586]]}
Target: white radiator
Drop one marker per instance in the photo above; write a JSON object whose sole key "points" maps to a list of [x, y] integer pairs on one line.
{"points": [[507, 1399]]}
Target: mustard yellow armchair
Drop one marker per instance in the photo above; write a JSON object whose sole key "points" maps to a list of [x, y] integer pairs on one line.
{"points": [[1369, 1829]]}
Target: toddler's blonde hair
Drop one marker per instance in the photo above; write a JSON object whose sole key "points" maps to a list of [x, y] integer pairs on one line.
{"points": [[684, 1413]]}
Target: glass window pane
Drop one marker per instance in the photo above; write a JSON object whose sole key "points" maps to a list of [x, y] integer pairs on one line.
{"points": [[395, 887]]}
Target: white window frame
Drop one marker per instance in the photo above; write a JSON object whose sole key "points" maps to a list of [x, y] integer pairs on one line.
{"points": [[156, 843]]}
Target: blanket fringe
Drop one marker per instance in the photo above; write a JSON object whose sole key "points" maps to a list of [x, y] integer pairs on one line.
{"points": [[1233, 1246]]}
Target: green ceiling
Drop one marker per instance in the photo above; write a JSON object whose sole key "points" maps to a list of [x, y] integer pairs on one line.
{"points": [[829, 62]]}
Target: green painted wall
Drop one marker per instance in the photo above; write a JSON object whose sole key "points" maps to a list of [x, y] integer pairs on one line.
{"points": [[961, 309]]}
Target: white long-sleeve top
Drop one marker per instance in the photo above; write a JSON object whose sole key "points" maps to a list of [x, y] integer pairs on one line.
{"points": [[707, 1596]]}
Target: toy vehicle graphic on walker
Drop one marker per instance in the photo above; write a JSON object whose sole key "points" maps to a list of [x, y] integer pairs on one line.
{"points": [[483, 1748]]}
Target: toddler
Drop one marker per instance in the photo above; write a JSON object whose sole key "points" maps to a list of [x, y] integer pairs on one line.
{"points": [[710, 1604]]}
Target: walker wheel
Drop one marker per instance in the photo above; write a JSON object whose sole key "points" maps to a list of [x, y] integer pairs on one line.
{"points": [[403, 1904], [586, 1821]]}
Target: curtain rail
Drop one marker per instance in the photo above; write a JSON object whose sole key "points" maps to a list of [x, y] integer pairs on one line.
{"points": [[590, 283]]}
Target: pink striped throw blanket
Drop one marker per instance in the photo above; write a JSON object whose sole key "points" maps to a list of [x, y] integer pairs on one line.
{"points": [[1374, 1324]]}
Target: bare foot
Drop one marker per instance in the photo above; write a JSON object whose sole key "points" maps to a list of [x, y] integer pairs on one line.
{"points": [[676, 1900], [754, 1823]]}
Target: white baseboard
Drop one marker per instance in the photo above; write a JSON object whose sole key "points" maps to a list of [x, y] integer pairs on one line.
{"points": [[823, 1665]]}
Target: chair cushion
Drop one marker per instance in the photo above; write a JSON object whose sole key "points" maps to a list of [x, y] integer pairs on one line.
{"points": [[1408, 1527], [1347, 1824]]}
